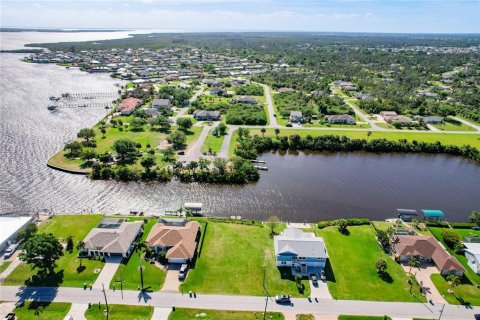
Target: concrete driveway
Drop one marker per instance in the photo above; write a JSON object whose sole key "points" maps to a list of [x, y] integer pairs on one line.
{"points": [[172, 284], [108, 271], [422, 275], [320, 291]]}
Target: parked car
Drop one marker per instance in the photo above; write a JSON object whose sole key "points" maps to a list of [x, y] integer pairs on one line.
{"points": [[314, 280], [9, 252], [182, 274], [323, 277], [181, 153], [477, 316], [10, 316], [284, 298]]}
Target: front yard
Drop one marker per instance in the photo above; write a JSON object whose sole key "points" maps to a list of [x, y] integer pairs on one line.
{"points": [[464, 294], [233, 260], [352, 274], [129, 272], [119, 312], [33, 310], [68, 272], [188, 314]]}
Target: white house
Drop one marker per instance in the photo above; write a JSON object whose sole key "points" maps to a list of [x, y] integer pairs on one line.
{"points": [[9, 228], [472, 253], [303, 252]]}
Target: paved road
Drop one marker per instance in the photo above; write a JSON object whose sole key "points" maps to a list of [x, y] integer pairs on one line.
{"points": [[363, 116], [247, 303], [271, 111], [467, 123], [227, 139], [195, 151], [182, 111]]}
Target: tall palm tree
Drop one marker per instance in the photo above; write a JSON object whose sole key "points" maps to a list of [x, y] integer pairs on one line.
{"points": [[80, 247], [414, 263]]}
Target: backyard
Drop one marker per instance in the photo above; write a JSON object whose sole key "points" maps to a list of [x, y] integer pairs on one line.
{"points": [[68, 272], [352, 274], [249, 249], [188, 314]]}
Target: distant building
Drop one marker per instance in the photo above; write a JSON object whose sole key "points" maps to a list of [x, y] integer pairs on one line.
{"points": [[432, 119], [249, 100], [393, 117], [296, 117], [340, 119], [112, 237], [204, 115], [161, 103], [303, 252], [472, 253], [285, 90], [217, 90], [128, 105], [152, 112]]}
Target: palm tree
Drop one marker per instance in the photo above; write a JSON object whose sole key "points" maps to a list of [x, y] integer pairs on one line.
{"points": [[454, 281], [414, 263], [263, 130], [80, 247], [277, 132]]}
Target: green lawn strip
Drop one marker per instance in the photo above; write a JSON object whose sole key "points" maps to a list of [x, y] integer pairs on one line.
{"points": [[305, 317], [212, 142], [233, 143], [67, 273], [382, 225], [464, 294], [457, 139], [232, 261], [353, 276], [453, 125], [346, 317], [129, 272], [59, 160], [469, 273], [189, 314], [119, 312], [46, 310], [317, 124], [4, 265]]}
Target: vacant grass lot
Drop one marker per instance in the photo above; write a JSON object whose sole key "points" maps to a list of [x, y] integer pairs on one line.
{"points": [[33, 310], [458, 139], [464, 294], [4, 265], [68, 273], [128, 272], [213, 143], [471, 275], [453, 125], [189, 314], [353, 275], [345, 317], [233, 260], [119, 312]]}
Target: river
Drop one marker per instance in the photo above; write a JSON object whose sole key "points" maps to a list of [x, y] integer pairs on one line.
{"points": [[296, 187]]}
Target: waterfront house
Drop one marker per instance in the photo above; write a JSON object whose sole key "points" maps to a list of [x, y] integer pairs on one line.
{"points": [[340, 119], [472, 253], [112, 237], [177, 237], [9, 229], [296, 117], [128, 105], [161, 103], [427, 249], [217, 90], [303, 252], [205, 115]]}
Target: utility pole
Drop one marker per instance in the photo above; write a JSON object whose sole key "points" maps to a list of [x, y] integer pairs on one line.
{"points": [[267, 294], [441, 311], [105, 296], [121, 286]]}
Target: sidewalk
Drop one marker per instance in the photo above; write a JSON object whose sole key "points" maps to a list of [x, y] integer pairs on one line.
{"points": [[77, 311]]}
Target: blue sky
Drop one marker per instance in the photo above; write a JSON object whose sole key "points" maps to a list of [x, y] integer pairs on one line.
{"points": [[231, 15]]}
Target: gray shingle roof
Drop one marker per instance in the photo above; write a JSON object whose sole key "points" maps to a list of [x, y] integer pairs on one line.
{"points": [[302, 244]]}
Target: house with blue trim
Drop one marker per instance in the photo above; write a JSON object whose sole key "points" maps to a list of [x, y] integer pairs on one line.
{"points": [[303, 252]]}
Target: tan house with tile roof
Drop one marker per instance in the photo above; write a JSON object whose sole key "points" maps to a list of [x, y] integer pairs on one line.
{"points": [[178, 237], [428, 249], [112, 237]]}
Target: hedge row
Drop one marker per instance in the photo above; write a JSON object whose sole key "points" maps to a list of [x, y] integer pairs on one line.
{"points": [[350, 222]]}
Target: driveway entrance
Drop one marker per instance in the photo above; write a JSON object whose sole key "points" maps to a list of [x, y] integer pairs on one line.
{"points": [[422, 275]]}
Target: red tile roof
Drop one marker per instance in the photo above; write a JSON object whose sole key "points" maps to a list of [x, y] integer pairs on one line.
{"points": [[129, 104], [181, 240]]}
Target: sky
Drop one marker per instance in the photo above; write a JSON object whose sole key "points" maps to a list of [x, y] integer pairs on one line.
{"points": [[405, 16]]}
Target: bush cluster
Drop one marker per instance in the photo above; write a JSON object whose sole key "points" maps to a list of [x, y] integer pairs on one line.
{"points": [[350, 222]]}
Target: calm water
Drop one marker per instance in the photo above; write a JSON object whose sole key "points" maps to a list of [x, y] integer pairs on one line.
{"points": [[297, 187]]}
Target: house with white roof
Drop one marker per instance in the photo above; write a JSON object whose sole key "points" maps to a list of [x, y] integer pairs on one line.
{"points": [[303, 252], [472, 253]]}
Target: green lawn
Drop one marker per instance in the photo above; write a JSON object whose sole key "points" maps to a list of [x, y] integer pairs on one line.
{"points": [[458, 139], [128, 272], [232, 261], [4, 265], [383, 225], [352, 274], [46, 310], [471, 275], [68, 272], [453, 125], [462, 294], [213, 142], [189, 314], [119, 312]]}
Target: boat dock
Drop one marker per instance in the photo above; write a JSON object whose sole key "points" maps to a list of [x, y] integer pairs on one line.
{"points": [[85, 95], [106, 105]]}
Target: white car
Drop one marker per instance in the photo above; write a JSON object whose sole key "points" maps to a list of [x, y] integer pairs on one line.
{"points": [[9, 252]]}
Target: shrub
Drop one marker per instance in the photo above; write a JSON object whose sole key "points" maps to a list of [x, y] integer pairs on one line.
{"points": [[451, 238]]}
